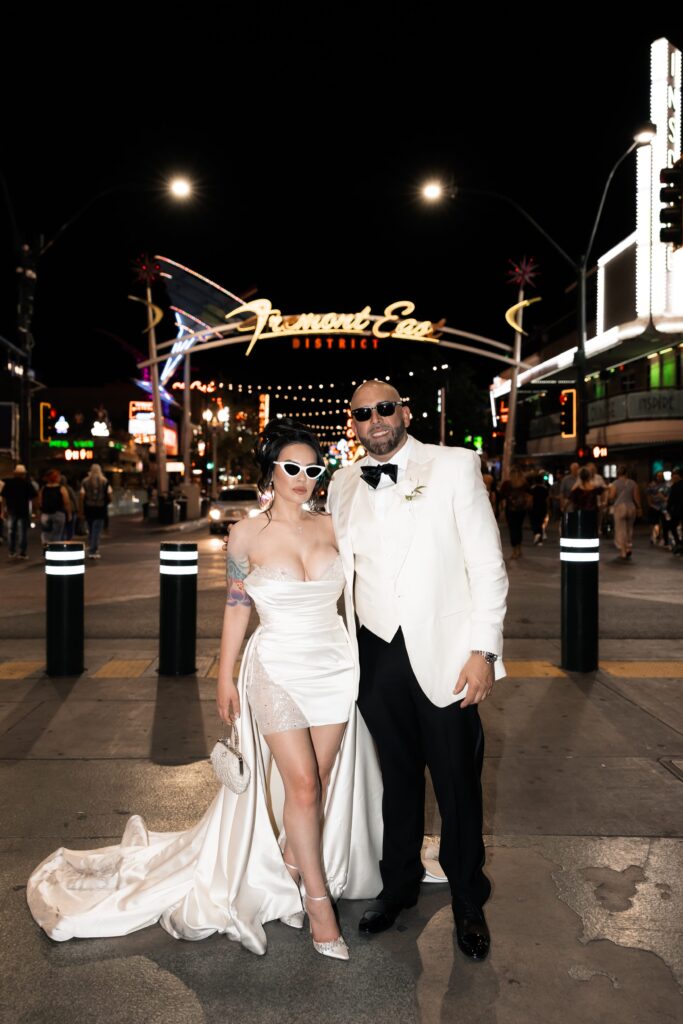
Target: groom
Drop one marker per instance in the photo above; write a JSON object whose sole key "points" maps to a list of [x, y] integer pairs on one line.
{"points": [[427, 582]]}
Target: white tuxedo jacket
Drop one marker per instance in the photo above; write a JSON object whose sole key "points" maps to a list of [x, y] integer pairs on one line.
{"points": [[449, 578]]}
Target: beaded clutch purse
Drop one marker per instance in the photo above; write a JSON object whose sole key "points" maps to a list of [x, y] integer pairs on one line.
{"points": [[228, 762]]}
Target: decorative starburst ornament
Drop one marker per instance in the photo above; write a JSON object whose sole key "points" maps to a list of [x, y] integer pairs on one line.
{"points": [[146, 269], [523, 272]]}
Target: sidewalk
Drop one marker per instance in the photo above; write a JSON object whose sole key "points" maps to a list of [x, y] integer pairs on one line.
{"points": [[582, 785]]}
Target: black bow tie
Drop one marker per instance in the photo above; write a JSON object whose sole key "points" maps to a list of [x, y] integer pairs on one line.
{"points": [[372, 474]]}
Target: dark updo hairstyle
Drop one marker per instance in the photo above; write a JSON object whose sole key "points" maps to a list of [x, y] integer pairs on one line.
{"points": [[275, 436]]}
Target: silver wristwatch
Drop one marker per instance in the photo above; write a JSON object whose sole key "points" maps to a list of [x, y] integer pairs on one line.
{"points": [[488, 656]]}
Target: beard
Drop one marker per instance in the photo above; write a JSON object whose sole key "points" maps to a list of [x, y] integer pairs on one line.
{"points": [[383, 445]]}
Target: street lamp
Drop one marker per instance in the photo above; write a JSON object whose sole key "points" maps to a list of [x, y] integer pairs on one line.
{"points": [[434, 190], [215, 419], [28, 260], [181, 188]]}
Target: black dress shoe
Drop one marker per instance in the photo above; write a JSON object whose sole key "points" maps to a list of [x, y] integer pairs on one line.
{"points": [[382, 913], [471, 930]]}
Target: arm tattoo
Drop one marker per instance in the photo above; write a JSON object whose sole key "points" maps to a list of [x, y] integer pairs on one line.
{"points": [[238, 570]]}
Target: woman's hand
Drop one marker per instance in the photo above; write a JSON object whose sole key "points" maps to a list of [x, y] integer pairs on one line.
{"points": [[228, 702]]}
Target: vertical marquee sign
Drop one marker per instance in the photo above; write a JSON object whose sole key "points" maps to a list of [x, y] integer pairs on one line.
{"points": [[659, 270]]}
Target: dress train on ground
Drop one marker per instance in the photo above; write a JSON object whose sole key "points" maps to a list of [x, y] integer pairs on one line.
{"points": [[226, 873]]}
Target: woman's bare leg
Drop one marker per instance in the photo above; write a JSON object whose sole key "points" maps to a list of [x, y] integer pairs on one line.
{"points": [[326, 741], [295, 758]]}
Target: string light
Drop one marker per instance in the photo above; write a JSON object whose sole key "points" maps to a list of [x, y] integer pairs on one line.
{"points": [[277, 393]]}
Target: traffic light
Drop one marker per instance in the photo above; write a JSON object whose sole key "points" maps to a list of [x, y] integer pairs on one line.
{"points": [[48, 415], [568, 412], [671, 214]]}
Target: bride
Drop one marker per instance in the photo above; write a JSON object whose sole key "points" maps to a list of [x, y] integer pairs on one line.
{"points": [[308, 828]]}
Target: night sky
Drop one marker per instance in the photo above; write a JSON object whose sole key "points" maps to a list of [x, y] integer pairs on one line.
{"points": [[307, 166]]}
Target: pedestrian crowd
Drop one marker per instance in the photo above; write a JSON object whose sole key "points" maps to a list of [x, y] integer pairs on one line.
{"points": [[61, 511], [618, 504]]}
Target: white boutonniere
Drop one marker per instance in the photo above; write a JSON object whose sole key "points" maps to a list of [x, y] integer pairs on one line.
{"points": [[409, 489]]}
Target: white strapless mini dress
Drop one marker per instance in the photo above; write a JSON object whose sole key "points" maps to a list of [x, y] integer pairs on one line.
{"points": [[299, 670]]}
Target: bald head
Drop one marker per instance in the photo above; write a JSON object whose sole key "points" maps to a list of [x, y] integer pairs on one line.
{"points": [[372, 391]]}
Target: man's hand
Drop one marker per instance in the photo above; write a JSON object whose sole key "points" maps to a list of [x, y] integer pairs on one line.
{"points": [[479, 677]]}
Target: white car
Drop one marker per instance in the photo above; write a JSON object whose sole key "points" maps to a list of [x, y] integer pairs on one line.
{"points": [[233, 504]]}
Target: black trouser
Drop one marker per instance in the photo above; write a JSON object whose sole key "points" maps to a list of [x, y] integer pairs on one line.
{"points": [[536, 519], [668, 528], [674, 523], [515, 525], [411, 732]]}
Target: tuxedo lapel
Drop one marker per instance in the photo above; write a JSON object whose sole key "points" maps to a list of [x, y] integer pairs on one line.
{"points": [[406, 512]]}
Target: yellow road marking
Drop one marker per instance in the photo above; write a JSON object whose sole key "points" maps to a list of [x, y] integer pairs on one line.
{"points": [[532, 669], [122, 668], [204, 663], [21, 669], [644, 669]]}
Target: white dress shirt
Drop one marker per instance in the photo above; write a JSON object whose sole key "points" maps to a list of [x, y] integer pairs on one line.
{"points": [[379, 496]]}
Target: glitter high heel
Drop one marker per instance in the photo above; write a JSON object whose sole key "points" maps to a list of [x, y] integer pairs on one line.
{"points": [[336, 948]]}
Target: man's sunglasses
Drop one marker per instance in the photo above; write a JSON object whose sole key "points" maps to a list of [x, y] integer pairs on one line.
{"points": [[293, 469], [384, 409]]}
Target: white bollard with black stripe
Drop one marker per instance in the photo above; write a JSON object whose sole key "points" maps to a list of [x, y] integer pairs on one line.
{"points": [[64, 576], [580, 560], [178, 570]]}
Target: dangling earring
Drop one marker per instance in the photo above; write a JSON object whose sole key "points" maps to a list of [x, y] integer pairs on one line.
{"points": [[266, 496]]}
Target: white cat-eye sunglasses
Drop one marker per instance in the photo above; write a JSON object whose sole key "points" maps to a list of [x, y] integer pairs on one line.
{"points": [[294, 468]]}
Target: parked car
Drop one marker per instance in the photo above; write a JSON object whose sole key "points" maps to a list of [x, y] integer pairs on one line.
{"points": [[233, 504]]}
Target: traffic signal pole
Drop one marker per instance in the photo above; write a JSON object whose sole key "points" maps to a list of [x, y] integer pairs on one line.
{"points": [[580, 357], [582, 273]]}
